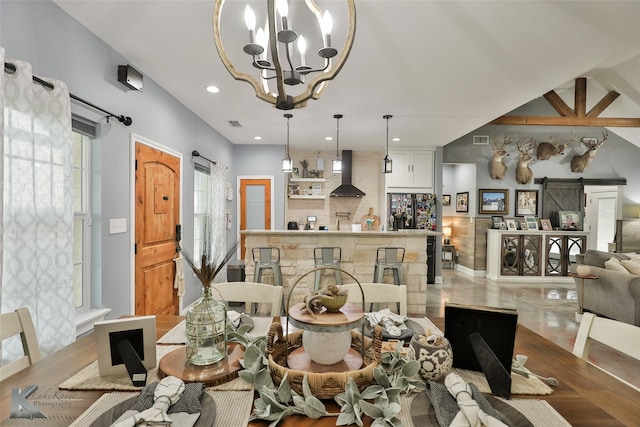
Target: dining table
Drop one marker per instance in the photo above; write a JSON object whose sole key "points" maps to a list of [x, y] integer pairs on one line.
{"points": [[585, 396]]}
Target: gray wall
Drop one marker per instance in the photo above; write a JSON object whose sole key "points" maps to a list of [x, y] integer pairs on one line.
{"points": [[617, 158], [57, 46]]}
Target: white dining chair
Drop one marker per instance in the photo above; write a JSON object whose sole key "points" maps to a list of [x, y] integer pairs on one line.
{"points": [[16, 323], [378, 293], [620, 336], [250, 292]]}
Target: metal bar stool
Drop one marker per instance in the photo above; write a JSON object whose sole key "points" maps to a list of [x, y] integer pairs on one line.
{"points": [[327, 257], [389, 258], [266, 258]]}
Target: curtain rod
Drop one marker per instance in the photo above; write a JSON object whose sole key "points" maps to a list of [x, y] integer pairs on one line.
{"points": [[11, 69], [195, 153]]}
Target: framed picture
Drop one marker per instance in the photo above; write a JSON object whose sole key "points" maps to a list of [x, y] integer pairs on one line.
{"points": [[546, 224], [497, 221], [526, 202], [462, 202], [494, 201], [446, 200], [524, 225], [570, 220], [140, 332], [511, 224], [531, 221]]}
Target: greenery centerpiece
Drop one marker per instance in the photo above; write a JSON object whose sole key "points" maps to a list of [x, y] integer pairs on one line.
{"points": [[206, 319]]}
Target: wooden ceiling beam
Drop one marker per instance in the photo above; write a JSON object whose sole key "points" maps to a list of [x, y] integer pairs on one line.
{"points": [[573, 117], [558, 104], [580, 97], [603, 104], [566, 121]]}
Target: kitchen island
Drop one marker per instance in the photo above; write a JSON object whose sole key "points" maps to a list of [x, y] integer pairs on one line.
{"points": [[358, 258]]}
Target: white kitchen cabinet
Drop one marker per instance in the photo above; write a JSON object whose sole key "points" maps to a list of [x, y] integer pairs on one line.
{"points": [[411, 170]]}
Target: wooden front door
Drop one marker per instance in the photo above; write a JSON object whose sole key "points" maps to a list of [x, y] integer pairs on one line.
{"points": [[255, 206], [157, 213]]}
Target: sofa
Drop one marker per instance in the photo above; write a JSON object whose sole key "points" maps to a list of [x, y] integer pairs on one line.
{"points": [[616, 292]]}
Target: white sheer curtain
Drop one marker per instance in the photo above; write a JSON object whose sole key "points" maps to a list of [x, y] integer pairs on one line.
{"points": [[217, 219], [37, 209]]}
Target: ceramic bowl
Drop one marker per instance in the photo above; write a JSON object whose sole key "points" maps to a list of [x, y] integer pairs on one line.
{"points": [[333, 303]]}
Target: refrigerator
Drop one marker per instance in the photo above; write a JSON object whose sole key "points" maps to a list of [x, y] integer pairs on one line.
{"points": [[411, 211]]}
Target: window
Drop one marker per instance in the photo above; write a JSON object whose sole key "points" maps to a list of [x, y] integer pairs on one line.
{"points": [[201, 194], [81, 222]]}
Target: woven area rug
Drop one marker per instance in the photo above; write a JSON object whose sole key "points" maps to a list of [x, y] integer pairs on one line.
{"points": [[89, 378], [519, 384], [233, 408], [538, 412]]}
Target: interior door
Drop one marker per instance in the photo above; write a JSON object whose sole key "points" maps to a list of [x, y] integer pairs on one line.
{"points": [[157, 209], [600, 218], [255, 206]]}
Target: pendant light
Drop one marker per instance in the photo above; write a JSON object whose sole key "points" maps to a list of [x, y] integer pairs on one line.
{"points": [[287, 164], [337, 163], [387, 163]]}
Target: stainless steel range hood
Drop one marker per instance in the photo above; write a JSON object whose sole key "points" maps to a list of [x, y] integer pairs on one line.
{"points": [[347, 189]]}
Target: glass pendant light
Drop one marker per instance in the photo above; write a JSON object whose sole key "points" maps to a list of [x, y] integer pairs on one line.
{"points": [[287, 164], [387, 163], [337, 163]]}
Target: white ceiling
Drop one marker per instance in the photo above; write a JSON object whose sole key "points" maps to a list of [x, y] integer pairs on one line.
{"points": [[442, 68]]}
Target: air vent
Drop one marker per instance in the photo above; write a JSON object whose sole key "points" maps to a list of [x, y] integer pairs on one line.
{"points": [[235, 124], [480, 139]]}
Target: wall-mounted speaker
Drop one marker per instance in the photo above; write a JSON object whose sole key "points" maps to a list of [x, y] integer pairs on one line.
{"points": [[130, 77]]}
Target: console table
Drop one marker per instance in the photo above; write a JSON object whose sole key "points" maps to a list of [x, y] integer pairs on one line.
{"points": [[532, 256]]}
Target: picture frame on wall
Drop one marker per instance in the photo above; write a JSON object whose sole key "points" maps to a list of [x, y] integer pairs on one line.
{"points": [[493, 201], [462, 202], [531, 221], [446, 200], [570, 220], [526, 202]]}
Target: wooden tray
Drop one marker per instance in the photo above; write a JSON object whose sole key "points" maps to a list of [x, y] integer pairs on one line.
{"points": [[175, 364]]}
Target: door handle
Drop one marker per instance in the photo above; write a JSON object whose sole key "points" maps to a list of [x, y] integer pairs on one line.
{"points": [[165, 197]]}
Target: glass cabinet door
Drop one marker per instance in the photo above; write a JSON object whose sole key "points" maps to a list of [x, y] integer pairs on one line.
{"points": [[530, 245], [510, 255]]}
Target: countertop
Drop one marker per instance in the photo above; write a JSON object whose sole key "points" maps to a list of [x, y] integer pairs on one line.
{"points": [[344, 232]]}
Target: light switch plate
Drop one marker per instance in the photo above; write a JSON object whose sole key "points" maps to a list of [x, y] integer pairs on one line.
{"points": [[117, 225]]}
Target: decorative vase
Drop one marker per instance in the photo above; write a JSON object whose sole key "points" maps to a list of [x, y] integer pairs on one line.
{"points": [[206, 327], [434, 355], [305, 172], [333, 303]]}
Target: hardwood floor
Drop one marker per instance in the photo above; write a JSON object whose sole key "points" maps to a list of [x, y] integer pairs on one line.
{"points": [[547, 309]]}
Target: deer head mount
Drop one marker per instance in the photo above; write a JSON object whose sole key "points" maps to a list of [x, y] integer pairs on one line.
{"points": [[579, 163], [523, 171], [497, 167], [546, 150]]}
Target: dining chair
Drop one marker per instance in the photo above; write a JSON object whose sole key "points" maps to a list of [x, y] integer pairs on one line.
{"points": [[16, 323], [620, 336], [379, 293], [250, 292]]}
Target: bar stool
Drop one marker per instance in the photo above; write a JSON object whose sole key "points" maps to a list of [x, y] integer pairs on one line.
{"points": [[327, 257], [389, 258], [266, 258]]}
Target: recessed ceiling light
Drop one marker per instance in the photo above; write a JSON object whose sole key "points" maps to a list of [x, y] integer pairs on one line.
{"points": [[212, 89], [396, 139], [257, 138], [328, 138]]}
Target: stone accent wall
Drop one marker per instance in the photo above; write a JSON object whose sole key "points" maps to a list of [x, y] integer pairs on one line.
{"points": [[358, 259]]}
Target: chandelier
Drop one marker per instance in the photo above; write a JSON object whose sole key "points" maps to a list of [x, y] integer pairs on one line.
{"points": [[271, 48]]}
